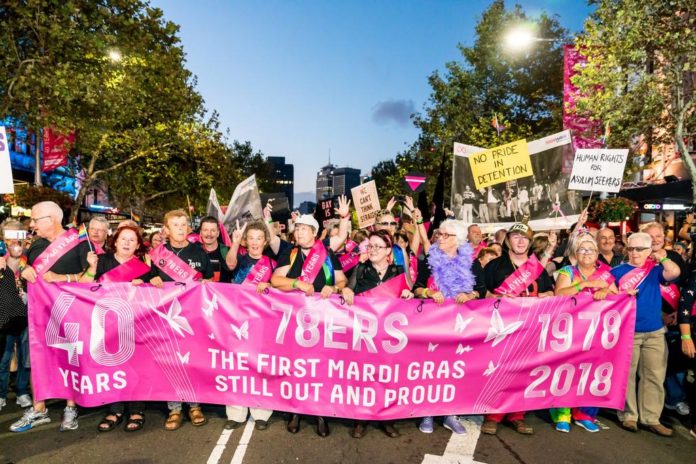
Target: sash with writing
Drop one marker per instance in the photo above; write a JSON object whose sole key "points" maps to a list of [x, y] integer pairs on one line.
{"points": [[392, 288], [173, 266], [670, 293], [351, 257], [261, 271], [632, 279], [603, 273], [125, 272], [56, 250], [313, 263], [523, 277]]}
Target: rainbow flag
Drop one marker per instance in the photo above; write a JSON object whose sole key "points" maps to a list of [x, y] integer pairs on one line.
{"points": [[82, 232]]}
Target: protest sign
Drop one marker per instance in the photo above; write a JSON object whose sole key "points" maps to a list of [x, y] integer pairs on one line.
{"points": [[6, 182], [501, 164], [366, 203], [380, 358], [326, 210], [415, 181], [245, 204], [598, 169]]}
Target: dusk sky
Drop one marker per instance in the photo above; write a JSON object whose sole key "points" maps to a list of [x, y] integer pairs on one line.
{"points": [[304, 78]]}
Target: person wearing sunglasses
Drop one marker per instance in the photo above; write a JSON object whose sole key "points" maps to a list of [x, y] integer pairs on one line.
{"points": [[591, 276], [446, 274], [378, 277], [642, 275]]}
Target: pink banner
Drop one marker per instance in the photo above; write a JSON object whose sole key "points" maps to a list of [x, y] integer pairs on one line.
{"points": [[377, 359]]}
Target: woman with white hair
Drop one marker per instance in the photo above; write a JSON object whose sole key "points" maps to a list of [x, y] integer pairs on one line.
{"points": [[592, 276], [446, 273], [642, 275]]}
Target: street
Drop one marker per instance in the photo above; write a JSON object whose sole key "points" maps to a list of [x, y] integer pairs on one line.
{"points": [[212, 444]]}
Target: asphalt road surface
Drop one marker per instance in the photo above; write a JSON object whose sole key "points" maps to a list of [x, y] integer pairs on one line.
{"points": [[212, 444]]}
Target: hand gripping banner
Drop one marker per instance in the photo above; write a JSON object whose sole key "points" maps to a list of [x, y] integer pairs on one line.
{"points": [[377, 359]]}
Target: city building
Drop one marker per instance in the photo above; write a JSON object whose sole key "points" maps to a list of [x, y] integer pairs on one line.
{"points": [[325, 182], [345, 179], [284, 176]]}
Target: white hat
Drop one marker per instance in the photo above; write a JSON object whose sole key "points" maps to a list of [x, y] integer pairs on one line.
{"points": [[308, 220]]}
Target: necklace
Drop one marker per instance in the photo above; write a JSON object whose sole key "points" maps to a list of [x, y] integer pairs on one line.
{"points": [[180, 250]]}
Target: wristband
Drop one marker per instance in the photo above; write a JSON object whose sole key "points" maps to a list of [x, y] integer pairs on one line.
{"points": [[577, 287], [294, 283], [270, 221], [89, 274], [420, 221], [666, 258], [686, 337], [345, 217], [425, 293]]}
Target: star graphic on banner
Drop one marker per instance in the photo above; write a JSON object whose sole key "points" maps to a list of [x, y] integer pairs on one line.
{"points": [[498, 330]]}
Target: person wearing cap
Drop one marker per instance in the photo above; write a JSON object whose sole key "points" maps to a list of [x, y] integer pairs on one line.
{"points": [[295, 272], [514, 274]]}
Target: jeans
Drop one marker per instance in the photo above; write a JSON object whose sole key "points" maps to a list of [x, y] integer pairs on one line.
{"points": [[7, 344]]}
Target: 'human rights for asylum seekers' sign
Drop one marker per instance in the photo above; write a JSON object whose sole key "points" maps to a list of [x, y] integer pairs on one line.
{"points": [[501, 164], [598, 169]]}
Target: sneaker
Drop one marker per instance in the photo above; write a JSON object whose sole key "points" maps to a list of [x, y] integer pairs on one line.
{"points": [[30, 419], [3, 403], [452, 423], [426, 425], [24, 401], [588, 425], [682, 409], [69, 419], [563, 427]]}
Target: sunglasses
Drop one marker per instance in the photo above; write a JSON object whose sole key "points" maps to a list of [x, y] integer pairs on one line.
{"points": [[387, 224], [638, 249]]}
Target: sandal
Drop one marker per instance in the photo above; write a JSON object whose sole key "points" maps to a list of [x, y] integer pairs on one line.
{"points": [[174, 420], [197, 418], [133, 424], [107, 425]]}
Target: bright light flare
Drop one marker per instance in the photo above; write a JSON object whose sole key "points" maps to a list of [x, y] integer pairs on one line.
{"points": [[115, 55]]}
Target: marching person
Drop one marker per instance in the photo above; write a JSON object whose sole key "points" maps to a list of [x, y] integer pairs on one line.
{"points": [[645, 271], [309, 267], [57, 255], [123, 264], [446, 273], [378, 277], [606, 239], [98, 232], [176, 261], [515, 273]]}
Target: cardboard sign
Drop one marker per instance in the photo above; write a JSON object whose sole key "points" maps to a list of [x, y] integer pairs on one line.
{"points": [[366, 203], [325, 210], [501, 164], [6, 183], [598, 169]]}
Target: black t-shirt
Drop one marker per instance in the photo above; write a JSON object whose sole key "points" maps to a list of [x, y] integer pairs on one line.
{"points": [[108, 261], [501, 267], [616, 259], [13, 310], [72, 262], [221, 272], [192, 255], [296, 267], [245, 263], [365, 277]]}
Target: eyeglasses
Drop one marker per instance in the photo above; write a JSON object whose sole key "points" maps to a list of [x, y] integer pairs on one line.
{"points": [[586, 251], [638, 249], [393, 224], [376, 247], [446, 235], [35, 220]]}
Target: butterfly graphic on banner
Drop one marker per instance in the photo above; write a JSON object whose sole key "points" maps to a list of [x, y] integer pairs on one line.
{"points": [[176, 321], [498, 330], [242, 332]]}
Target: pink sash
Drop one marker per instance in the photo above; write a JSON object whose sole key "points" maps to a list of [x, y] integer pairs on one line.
{"points": [[173, 266], [670, 293], [349, 259], [392, 288], [98, 249], [632, 279], [413, 267], [478, 248], [603, 273], [312, 264], [523, 277], [261, 271], [125, 272], [56, 250]]}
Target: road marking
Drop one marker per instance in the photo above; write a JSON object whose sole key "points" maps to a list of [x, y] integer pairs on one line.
{"points": [[216, 454], [243, 443], [460, 448]]}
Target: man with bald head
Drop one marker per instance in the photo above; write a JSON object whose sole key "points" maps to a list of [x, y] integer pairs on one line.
{"points": [[57, 255], [606, 239]]}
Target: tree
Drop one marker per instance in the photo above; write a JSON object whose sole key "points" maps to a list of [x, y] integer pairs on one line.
{"points": [[641, 72], [523, 91]]}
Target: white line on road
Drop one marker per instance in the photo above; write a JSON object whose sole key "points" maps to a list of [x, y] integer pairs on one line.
{"points": [[243, 443], [216, 454], [460, 448]]}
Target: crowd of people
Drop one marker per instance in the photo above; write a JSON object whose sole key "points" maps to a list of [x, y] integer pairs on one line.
{"points": [[398, 257]]}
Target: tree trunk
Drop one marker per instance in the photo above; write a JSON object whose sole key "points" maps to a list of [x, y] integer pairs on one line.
{"points": [[37, 157], [684, 153]]}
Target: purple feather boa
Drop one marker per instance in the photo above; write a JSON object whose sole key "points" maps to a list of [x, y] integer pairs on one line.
{"points": [[452, 275]]}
